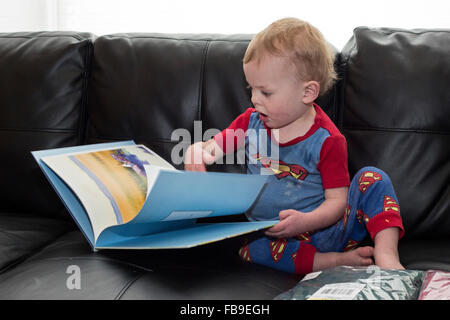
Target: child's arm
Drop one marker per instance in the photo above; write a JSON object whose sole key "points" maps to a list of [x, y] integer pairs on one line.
{"points": [[293, 222], [200, 154], [230, 139]]}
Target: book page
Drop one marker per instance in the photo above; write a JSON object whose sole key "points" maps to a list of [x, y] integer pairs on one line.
{"points": [[110, 183], [178, 195]]}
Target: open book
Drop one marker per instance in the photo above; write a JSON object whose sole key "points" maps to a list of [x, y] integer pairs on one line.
{"points": [[125, 196]]}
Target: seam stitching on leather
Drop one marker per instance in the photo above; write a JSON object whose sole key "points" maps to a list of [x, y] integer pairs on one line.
{"points": [[127, 286], [201, 81], [419, 131]]}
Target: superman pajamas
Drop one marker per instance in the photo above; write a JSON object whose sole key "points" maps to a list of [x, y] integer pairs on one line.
{"points": [[371, 207]]}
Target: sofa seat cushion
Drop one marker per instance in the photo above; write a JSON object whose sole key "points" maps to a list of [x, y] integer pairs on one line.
{"points": [[249, 282], [425, 254], [21, 235], [212, 271], [51, 273], [205, 272]]}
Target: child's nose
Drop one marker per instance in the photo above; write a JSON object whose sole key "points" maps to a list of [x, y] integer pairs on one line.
{"points": [[254, 99]]}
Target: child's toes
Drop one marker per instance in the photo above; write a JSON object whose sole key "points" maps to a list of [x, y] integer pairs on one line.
{"points": [[365, 252]]}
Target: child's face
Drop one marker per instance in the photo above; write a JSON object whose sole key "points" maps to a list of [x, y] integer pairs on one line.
{"points": [[277, 94]]}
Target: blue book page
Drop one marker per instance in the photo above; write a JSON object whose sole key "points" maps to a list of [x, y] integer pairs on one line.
{"points": [[177, 195], [69, 199], [190, 236], [176, 200]]}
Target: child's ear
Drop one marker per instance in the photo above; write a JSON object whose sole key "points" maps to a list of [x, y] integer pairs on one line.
{"points": [[311, 92]]}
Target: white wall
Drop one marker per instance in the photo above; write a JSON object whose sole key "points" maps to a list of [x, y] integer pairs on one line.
{"points": [[22, 15], [335, 18]]}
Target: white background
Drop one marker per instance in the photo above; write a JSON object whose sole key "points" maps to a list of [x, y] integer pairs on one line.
{"points": [[335, 18]]}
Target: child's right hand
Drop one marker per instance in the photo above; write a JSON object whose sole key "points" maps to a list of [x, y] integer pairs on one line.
{"points": [[197, 157]]}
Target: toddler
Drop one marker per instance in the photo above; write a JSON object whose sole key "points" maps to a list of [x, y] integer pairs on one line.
{"points": [[323, 216]]}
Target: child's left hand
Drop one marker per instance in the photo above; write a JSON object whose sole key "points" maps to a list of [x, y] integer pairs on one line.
{"points": [[291, 224]]}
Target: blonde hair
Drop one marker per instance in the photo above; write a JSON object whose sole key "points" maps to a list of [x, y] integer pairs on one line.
{"points": [[303, 44]]}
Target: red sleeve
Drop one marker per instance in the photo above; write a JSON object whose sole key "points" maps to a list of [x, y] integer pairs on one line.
{"points": [[233, 137], [333, 164]]}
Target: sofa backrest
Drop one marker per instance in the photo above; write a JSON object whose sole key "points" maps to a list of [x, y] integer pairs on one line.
{"points": [[392, 103], [395, 104], [43, 81], [145, 86]]}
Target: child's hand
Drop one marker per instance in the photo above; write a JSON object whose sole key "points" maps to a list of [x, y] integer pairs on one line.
{"points": [[290, 225], [197, 157]]}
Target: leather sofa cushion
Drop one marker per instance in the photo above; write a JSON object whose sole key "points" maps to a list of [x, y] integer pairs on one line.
{"points": [[395, 117], [145, 86], [22, 235], [42, 80], [46, 274], [425, 254], [207, 272]]}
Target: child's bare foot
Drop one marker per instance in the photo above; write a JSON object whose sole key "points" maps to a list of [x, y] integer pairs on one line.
{"points": [[389, 263], [359, 257], [387, 259], [386, 252]]}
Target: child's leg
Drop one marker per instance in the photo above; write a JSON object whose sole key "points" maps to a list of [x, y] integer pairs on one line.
{"points": [[373, 196], [289, 255], [300, 257], [372, 206], [358, 257], [386, 252]]}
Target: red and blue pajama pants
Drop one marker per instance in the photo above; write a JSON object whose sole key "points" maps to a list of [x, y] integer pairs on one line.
{"points": [[372, 206]]}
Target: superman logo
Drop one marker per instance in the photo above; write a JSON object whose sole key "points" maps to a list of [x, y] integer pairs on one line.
{"points": [[351, 244], [277, 248], [305, 236], [390, 205], [282, 169], [294, 257], [366, 179], [244, 253], [346, 216], [362, 218], [345, 219]]}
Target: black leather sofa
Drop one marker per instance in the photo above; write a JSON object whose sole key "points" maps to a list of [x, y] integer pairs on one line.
{"points": [[59, 89]]}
